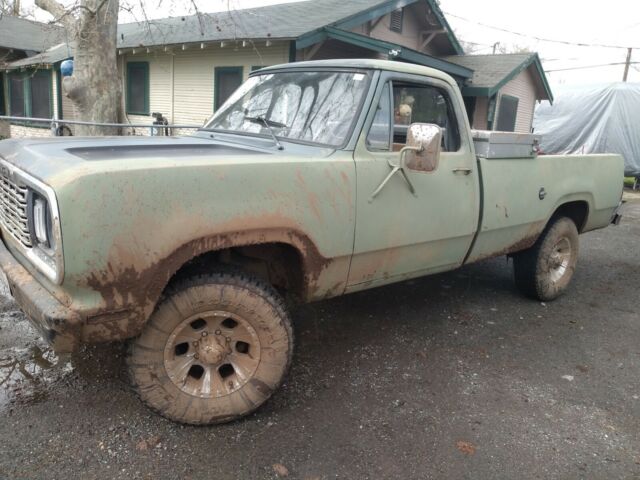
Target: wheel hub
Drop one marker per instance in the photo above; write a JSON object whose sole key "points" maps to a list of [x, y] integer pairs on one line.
{"points": [[211, 350], [560, 259], [212, 354]]}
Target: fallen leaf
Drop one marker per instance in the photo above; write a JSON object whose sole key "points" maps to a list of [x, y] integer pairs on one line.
{"points": [[467, 448], [280, 470], [582, 368]]}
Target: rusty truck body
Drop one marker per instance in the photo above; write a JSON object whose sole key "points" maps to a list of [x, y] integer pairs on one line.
{"points": [[314, 180]]}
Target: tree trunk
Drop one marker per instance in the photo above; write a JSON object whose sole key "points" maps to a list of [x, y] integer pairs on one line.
{"points": [[94, 88]]}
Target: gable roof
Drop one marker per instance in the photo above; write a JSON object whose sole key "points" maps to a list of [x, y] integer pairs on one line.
{"points": [[281, 21], [492, 72], [21, 34]]}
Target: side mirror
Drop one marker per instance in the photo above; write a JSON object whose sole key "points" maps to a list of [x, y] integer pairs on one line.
{"points": [[424, 140]]}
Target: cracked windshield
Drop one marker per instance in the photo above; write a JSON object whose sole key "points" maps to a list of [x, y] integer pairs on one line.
{"points": [[316, 107]]}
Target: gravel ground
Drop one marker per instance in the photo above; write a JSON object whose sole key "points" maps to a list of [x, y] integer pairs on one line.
{"points": [[451, 376]]}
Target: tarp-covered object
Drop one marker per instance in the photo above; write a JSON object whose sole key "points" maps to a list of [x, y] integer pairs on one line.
{"points": [[593, 119]]}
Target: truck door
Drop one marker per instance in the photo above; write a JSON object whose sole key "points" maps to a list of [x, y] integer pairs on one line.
{"points": [[400, 234]]}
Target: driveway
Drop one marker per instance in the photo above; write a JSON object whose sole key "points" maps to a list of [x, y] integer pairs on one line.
{"points": [[451, 376]]}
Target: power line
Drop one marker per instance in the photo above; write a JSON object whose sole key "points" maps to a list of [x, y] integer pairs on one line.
{"points": [[590, 66], [541, 39]]}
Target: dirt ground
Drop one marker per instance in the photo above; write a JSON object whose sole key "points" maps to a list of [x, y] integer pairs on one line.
{"points": [[452, 376]]}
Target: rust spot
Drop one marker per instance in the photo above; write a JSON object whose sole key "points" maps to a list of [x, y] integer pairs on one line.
{"points": [[130, 291]]}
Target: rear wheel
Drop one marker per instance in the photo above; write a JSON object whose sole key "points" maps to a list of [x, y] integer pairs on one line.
{"points": [[215, 349], [544, 271]]}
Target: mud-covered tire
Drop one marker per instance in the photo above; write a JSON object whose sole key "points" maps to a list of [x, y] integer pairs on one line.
{"points": [[544, 271], [231, 329]]}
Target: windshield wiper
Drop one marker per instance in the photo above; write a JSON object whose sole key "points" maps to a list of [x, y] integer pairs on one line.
{"points": [[268, 124]]}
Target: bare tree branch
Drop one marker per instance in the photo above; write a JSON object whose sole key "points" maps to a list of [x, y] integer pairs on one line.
{"points": [[57, 10]]}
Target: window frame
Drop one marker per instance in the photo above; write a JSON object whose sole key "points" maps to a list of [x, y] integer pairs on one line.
{"points": [[515, 117], [25, 78], [377, 102], [147, 86], [216, 84], [439, 85]]}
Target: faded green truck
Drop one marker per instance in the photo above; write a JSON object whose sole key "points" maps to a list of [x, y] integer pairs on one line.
{"points": [[313, 180]]}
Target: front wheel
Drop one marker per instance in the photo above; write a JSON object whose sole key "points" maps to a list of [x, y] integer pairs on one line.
{"points": [[544, 271], [215, 349]]}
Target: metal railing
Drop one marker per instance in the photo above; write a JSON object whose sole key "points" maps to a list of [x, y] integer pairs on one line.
{"points": [[56, 125]]}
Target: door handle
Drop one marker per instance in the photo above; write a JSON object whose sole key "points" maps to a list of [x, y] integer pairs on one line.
{"points": [[462, 170]]}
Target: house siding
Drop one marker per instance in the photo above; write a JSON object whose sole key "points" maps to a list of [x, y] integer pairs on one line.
{"points": [[412, 26], [523, 88], [182, 83]]}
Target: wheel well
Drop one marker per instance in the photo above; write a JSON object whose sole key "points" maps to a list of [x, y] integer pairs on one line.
{"points": [[278, 264], [577, 211]]}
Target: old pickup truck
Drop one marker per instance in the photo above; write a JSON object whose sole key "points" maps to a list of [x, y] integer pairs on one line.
{"points": [[313, 180]]}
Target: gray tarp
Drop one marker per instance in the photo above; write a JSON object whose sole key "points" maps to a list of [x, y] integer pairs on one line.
{"points": [[593, 119]]}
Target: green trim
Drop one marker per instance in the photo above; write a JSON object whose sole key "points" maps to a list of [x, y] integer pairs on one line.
{"points": [[385, 47], [59, 90], [490, 91], [145, 67], [217, 71], [391, 5], [435, 8]]}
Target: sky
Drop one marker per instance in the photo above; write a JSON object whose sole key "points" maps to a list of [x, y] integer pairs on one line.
{"points": [[611, 23]]}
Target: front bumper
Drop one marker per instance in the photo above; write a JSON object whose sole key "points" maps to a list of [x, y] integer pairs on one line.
{"points": [[59, 325]]}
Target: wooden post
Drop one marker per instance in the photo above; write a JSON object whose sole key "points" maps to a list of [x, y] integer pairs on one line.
{"points": [[626, 65]]}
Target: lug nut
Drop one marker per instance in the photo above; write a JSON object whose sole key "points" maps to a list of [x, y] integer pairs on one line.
{"points": [[204, 334], [218, 332], [195, 356], [228, 339], [195, 344]]}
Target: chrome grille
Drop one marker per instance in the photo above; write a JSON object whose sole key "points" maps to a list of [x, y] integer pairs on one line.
{"points": [[13, 209]]}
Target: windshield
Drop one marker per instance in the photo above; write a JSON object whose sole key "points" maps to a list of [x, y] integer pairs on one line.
{"points": [[318, 107]]}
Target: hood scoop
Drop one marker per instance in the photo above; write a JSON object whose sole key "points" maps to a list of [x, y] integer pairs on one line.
{"points": [[112, 152]]}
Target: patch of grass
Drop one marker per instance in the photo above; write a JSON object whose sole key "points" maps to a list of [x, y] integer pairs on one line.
{"points": [[628, 181]]}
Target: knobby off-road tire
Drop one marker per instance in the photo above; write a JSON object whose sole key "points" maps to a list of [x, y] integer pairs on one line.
{"points": [[544, 271], [215, 349]]}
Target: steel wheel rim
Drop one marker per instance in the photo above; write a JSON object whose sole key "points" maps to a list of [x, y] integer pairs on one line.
{"points": [[212, 354], [560, 259]]}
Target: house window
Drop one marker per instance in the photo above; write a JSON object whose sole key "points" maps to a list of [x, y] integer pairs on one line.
{"points": [[395, 23], [17, 107], [507, 113], [40, 92], [226, 81], [30, 94], [138, 88]]}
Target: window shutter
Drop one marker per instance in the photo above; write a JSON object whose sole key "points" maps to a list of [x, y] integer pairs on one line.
{"points": [[396, 21]]}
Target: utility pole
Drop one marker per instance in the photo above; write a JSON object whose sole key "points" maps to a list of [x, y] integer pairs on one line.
{"points": [[626, 65]]}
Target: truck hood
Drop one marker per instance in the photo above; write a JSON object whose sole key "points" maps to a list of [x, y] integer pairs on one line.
{"points": [[50, 158]]}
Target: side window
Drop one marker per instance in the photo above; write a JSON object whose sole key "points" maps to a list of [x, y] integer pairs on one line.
{"points": [[423, 104], [379, 135]]}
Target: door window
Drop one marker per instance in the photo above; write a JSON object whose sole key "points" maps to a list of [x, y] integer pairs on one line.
{"points": [[379, 136], [423, 104]]}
